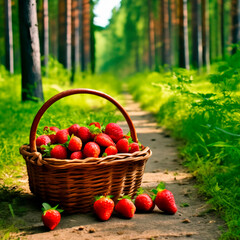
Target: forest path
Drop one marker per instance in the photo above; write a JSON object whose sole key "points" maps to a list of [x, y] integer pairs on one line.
{"points": [[192, 221]]}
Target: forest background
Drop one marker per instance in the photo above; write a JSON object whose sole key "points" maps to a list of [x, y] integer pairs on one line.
{"points": [[180, 59]]}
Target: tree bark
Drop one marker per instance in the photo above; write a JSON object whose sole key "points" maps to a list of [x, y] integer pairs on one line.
{"points": [[235, 28], [151, 40], [30, 51], [196, 34], [86, 38], [75, 38], [9, 60], [183, 35], [45, 35], [205, 34], [64, 33], [166, 58]]}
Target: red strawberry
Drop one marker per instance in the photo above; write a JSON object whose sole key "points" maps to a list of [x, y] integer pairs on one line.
{"points": [[85, 134], [51, 133], [62, 136], [111, 150], [59, 152], [96, 124], [75, 144], [51, 216], [114, 131], [104, 140], [42, 140], [125, 207], [73, 129], [103, 207], [122, 145], [91, 149], [76, 155], [144, 202], [164, 199], [133, 147]]}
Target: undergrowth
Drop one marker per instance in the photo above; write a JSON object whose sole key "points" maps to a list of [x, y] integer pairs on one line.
{"points": [[17, 117], [204, 111]]}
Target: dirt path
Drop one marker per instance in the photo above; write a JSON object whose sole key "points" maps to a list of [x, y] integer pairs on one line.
{"points": [[194, 221]]}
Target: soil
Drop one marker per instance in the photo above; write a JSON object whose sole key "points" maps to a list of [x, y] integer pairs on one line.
{"points": [[193, 220]]}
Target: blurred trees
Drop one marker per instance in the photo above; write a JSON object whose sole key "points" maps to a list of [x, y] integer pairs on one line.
{"points": [[168, 33]]}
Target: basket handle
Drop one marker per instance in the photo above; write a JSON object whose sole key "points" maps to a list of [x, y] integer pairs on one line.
{"points": [[66, 93]]}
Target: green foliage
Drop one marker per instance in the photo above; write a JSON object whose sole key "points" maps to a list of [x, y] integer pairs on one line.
{"points": [[204, 112]]}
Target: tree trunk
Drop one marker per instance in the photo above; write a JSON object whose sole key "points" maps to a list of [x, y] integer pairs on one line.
{"points": [[92, 38], [157, 31], [222, 30], [86, 38], [205, 33], [196, 34], [235, 29], [81, 56], [183, 35], [45, 35], [173, 30], [9, 61], [151, 41], [30, 51], [75, 38], [64, 33], [166, 58], [53, 29]]}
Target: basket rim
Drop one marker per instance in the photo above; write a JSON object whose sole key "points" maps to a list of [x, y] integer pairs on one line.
{"points": [[36, 158]]}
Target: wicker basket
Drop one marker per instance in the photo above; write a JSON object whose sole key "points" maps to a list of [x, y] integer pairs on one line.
{"points": [[74, 183]]}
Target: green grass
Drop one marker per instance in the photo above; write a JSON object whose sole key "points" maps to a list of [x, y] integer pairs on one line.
{"points": [[203, 111], [17, 117]]}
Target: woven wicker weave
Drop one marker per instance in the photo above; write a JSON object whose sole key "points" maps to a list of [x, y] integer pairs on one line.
{"points": [[74, 183]]}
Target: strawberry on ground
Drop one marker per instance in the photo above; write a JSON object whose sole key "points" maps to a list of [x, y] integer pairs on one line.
{"points": [[111, 150], [122, 145], [85, 134], [125, 207], [164, 199], [103, 207], [104, 140], [43, 140], [133, 147], [51, 216], [75, 144], [62, 136], [91, 149], [59, 152], [73, 129], [114, 131], [76, 155], [144, 202]]}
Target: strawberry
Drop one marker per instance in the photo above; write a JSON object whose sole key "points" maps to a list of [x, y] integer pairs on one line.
{"points": [[51, 133], [104, 140], [43, 140], [164, 199], [96, 124], [73, 129], [51, 216], [122, 145], [76, 155], [111, 150], [91, 149], [103, 207], [133, 147], [114, 131], [62, 136], [144, 202], [125, 207], [59, 152], [75, 144], [85, 134]]}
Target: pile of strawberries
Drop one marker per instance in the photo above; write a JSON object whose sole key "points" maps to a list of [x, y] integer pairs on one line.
{"points": [[126, 207], [79, 142]]}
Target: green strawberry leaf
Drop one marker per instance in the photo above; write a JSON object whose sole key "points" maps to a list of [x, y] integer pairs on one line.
{"points": [[130, 140], [161, 186], [104, 154], [140, 191], [47, 207]]}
